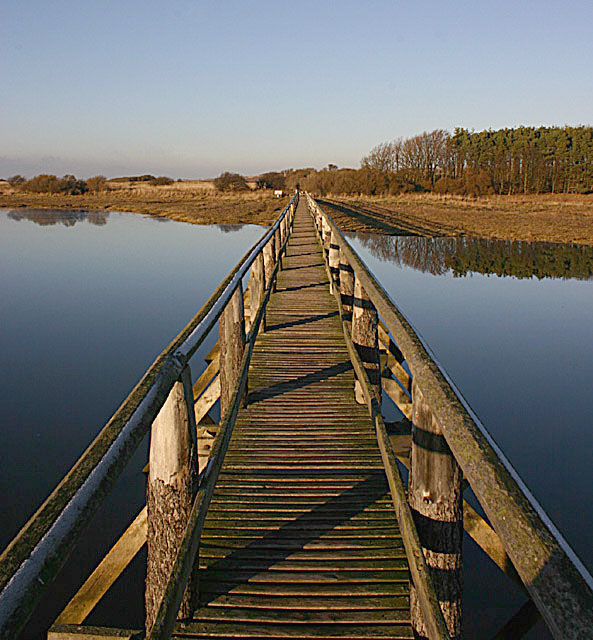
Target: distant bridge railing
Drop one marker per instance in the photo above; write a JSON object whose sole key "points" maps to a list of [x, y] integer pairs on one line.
{"points": [[449, 447], [164, 398]]}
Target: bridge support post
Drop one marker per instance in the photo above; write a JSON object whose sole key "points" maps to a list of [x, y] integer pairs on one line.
{"points": [[231, 336], [257, 288], [269, 263], [278, 246], [334, 262], [436, 499], [171, 489], [346, 287], [326, 235], [366, 340]]}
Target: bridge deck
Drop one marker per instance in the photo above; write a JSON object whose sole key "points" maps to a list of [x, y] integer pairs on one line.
{"points": [[301, 540]]}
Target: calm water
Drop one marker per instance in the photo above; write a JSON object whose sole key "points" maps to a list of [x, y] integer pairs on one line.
{"points": [[520, 348], [88, 300], [86, 303]]}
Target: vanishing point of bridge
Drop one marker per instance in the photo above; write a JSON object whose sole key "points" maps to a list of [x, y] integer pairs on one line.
{"points": [[289, 518]]}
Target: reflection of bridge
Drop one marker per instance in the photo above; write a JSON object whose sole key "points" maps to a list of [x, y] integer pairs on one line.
{"points": [[289, 518]]}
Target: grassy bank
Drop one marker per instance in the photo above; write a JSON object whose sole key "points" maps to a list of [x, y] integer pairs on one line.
{"points": [[550, 218], [190, 201]]}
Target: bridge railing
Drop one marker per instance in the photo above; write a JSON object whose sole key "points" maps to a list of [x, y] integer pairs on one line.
{"points": [[163, 399], [449, 448]]}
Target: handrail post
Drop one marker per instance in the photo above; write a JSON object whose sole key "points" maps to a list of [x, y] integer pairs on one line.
{"points": [[436, 499], [346, 287], [256, 286], [269, 262], [171, 488], [326, 235], [366, 339], [278, 246], [334, 262], [231, 332]]}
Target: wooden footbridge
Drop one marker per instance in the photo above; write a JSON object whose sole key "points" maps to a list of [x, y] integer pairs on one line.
{"points": [[290, 518]]}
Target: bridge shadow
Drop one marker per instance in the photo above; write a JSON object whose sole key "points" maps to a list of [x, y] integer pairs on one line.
{"points": [[303, 286], [279, 388], [274, 546], [307, 320]]}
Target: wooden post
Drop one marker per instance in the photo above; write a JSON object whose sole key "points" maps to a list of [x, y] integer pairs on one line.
{"points": [[334, 262], [256, 286], [326, 235], [283, 229], [171, 488], [231, 328], [346, 286], [436, 499], [269, 254], [366, 340], [278, 243]]}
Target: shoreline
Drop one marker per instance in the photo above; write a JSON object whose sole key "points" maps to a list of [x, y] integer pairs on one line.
{"points": [[250, 208], [561, 219]]}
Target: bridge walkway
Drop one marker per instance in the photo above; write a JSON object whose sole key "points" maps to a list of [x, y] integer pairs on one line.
{"points": [[301, 540]]}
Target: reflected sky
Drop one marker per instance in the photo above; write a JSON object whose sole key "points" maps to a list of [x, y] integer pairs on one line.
{"points": [[86, 303]]}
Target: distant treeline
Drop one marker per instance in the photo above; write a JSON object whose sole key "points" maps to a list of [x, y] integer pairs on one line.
{"points": [[507, 161], [71, 185], [462, 256]]}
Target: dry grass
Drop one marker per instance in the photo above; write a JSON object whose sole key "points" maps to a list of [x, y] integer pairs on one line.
{"points": [[552, 218], [189, 201]]}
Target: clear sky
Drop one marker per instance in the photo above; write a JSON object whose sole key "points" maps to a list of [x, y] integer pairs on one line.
{"points": [[191, 88]]}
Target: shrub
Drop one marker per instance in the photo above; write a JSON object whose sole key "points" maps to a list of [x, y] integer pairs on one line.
{"points": [[227, 181], [16, 181], [49, 183], [161, 180], [97, 183]]}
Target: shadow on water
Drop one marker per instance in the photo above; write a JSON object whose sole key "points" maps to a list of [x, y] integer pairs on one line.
{"points": [[463, 256]]}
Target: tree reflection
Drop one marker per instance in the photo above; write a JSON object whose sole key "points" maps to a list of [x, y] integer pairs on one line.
{"points": [[49, 217], [463, 256], [230, 228]]}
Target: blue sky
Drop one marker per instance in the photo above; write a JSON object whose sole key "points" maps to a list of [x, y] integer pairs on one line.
{"points": [[189, 89]]}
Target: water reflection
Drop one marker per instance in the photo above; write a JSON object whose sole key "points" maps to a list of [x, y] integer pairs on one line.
{"points": [[229, 228], [463, 256], [49, 217]]}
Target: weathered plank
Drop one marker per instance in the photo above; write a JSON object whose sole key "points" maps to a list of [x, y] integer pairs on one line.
{"points": [[301, 510]]}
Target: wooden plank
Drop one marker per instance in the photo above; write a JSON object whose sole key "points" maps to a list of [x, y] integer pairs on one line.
{"points": [[106, 573], [207, 400], [204, 380], [278, 630], [301, 506], [77, 632]]}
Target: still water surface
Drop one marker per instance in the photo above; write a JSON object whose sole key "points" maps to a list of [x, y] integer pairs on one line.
{"points": [[512, 324], [88, 300]]}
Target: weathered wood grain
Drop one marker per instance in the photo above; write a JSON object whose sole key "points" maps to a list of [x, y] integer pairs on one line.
{"points": [[301, 512]]}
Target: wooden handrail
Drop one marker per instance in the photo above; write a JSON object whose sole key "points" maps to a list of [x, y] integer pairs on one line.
{"points": [[555, 578], [33, 558], [166, 616], [419, 570]]}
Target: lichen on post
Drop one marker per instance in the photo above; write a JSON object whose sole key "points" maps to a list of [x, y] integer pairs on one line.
{"points": [[257, 288], [171, 489], [334, 261], [366, 340], [346, 286], [232, 345], [436, 500]]}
